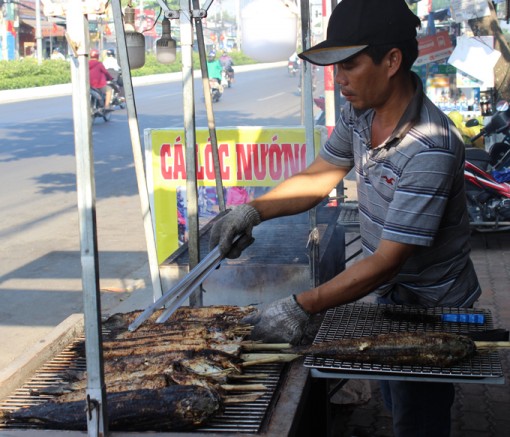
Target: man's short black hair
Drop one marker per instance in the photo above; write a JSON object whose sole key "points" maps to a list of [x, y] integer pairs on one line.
{"points": [[408, 48]]}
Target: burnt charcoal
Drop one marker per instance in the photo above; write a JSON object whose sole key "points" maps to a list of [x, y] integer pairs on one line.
{"points": [[172, 408]]}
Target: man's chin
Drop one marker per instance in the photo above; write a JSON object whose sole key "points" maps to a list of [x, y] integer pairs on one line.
{"points": [[358, 106]]}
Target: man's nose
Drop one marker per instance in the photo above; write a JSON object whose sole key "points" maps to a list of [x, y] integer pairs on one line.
{"points": [[340, 77]]}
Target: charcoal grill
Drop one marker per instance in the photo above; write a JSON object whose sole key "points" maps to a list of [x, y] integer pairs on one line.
{"points": [[247, 417], [368, 319]]}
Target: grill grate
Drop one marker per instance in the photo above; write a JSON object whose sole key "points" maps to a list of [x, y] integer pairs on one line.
{"points": [[366, 319], [246, 417], [349, 215]]}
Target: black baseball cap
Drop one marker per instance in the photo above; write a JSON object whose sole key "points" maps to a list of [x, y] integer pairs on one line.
{"points": [[356, 24]]}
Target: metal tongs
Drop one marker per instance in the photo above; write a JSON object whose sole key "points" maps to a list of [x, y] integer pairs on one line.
{"points": [[182, 290]]}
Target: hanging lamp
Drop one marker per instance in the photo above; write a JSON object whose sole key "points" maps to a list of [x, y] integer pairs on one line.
{"points": [[135, 41]]}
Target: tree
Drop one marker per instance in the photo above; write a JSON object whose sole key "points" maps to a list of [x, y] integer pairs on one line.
{"points": [[490, 26]]}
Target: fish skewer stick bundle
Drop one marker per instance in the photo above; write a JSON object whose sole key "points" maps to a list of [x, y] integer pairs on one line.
{"points": [[420, 349]]}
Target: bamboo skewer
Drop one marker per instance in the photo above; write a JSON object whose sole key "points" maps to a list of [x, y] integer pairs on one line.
{"points": [[254, 359], [257, 346], [243, 387], [240, 377], [240, 398], [492, 344]]}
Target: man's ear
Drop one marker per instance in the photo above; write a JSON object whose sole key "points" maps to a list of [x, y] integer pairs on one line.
{"points": [[393, 61]]}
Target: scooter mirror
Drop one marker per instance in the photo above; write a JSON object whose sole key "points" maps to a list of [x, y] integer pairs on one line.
{"points": [[472, 122], [502, 106]]}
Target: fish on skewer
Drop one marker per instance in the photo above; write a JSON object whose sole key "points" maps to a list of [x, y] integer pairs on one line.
{"points": [[173, 408], [220, 315], [198, 348], [421, 349]]}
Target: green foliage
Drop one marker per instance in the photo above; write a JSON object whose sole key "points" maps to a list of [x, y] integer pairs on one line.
{"points": [[152, 66], [27, 73]]}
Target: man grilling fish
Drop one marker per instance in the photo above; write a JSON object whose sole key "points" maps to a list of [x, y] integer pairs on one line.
{"points": [[408, 161]]}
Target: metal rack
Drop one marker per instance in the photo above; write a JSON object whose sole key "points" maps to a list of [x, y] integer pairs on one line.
{"points": [[366, 319]]}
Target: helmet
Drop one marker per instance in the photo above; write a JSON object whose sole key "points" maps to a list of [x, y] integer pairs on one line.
{"points": [[212, 54], [94, 54], [110, 52]]}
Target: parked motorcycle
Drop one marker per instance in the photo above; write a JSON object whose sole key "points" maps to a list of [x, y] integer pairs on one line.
{"points": [[487, 176]]}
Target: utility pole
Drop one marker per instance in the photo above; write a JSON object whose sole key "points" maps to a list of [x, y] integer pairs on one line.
{"points": [[38, 33], [3, 32]]}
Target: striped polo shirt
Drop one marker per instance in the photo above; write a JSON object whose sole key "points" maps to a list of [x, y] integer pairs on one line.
{"points": [[411, 190]]}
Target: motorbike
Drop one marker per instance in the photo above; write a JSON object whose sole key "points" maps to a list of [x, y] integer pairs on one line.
{"points": [[216, 89], [293, 67], [117, 86], [97, 101], [97, 105], [117, 101], [227, 78], [487, 176]]}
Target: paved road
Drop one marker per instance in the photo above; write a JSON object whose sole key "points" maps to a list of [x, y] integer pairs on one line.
{"points": [[40, 270]]}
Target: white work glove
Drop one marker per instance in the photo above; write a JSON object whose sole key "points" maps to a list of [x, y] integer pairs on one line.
{"points": [[282, 321], [239, 221]]}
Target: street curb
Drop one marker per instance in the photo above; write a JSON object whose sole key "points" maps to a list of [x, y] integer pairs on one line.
{"points": [[18, 371], [44, 92]]}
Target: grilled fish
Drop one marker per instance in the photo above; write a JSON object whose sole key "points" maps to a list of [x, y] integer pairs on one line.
{"points": [[157, 363], [420, 349], [173, 408], [217, 315]]}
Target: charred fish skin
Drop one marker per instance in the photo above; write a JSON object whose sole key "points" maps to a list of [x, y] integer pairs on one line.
{"points": [[173, 408], [209, 314], [420, 349]]}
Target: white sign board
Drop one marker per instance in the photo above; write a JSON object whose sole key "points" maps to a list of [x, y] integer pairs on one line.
{"points": [[476, 57], [463, 10]]}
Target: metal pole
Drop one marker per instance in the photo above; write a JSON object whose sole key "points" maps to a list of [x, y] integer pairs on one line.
{"points": [[209, 108], [307, 92], [38, 33], [78, 34], [188, 94], [329, 76], [137, 151]]}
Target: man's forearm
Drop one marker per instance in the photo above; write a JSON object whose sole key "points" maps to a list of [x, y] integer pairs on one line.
{"points": [[301, 192], [357, 280]]}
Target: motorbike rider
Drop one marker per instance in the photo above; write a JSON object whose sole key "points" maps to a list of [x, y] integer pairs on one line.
{"points": [[113, 67], [414, 226], [57, 54], [227, 64], [214, 70], [294, 62], [99, 77], [214, 67], [110, 62]]}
